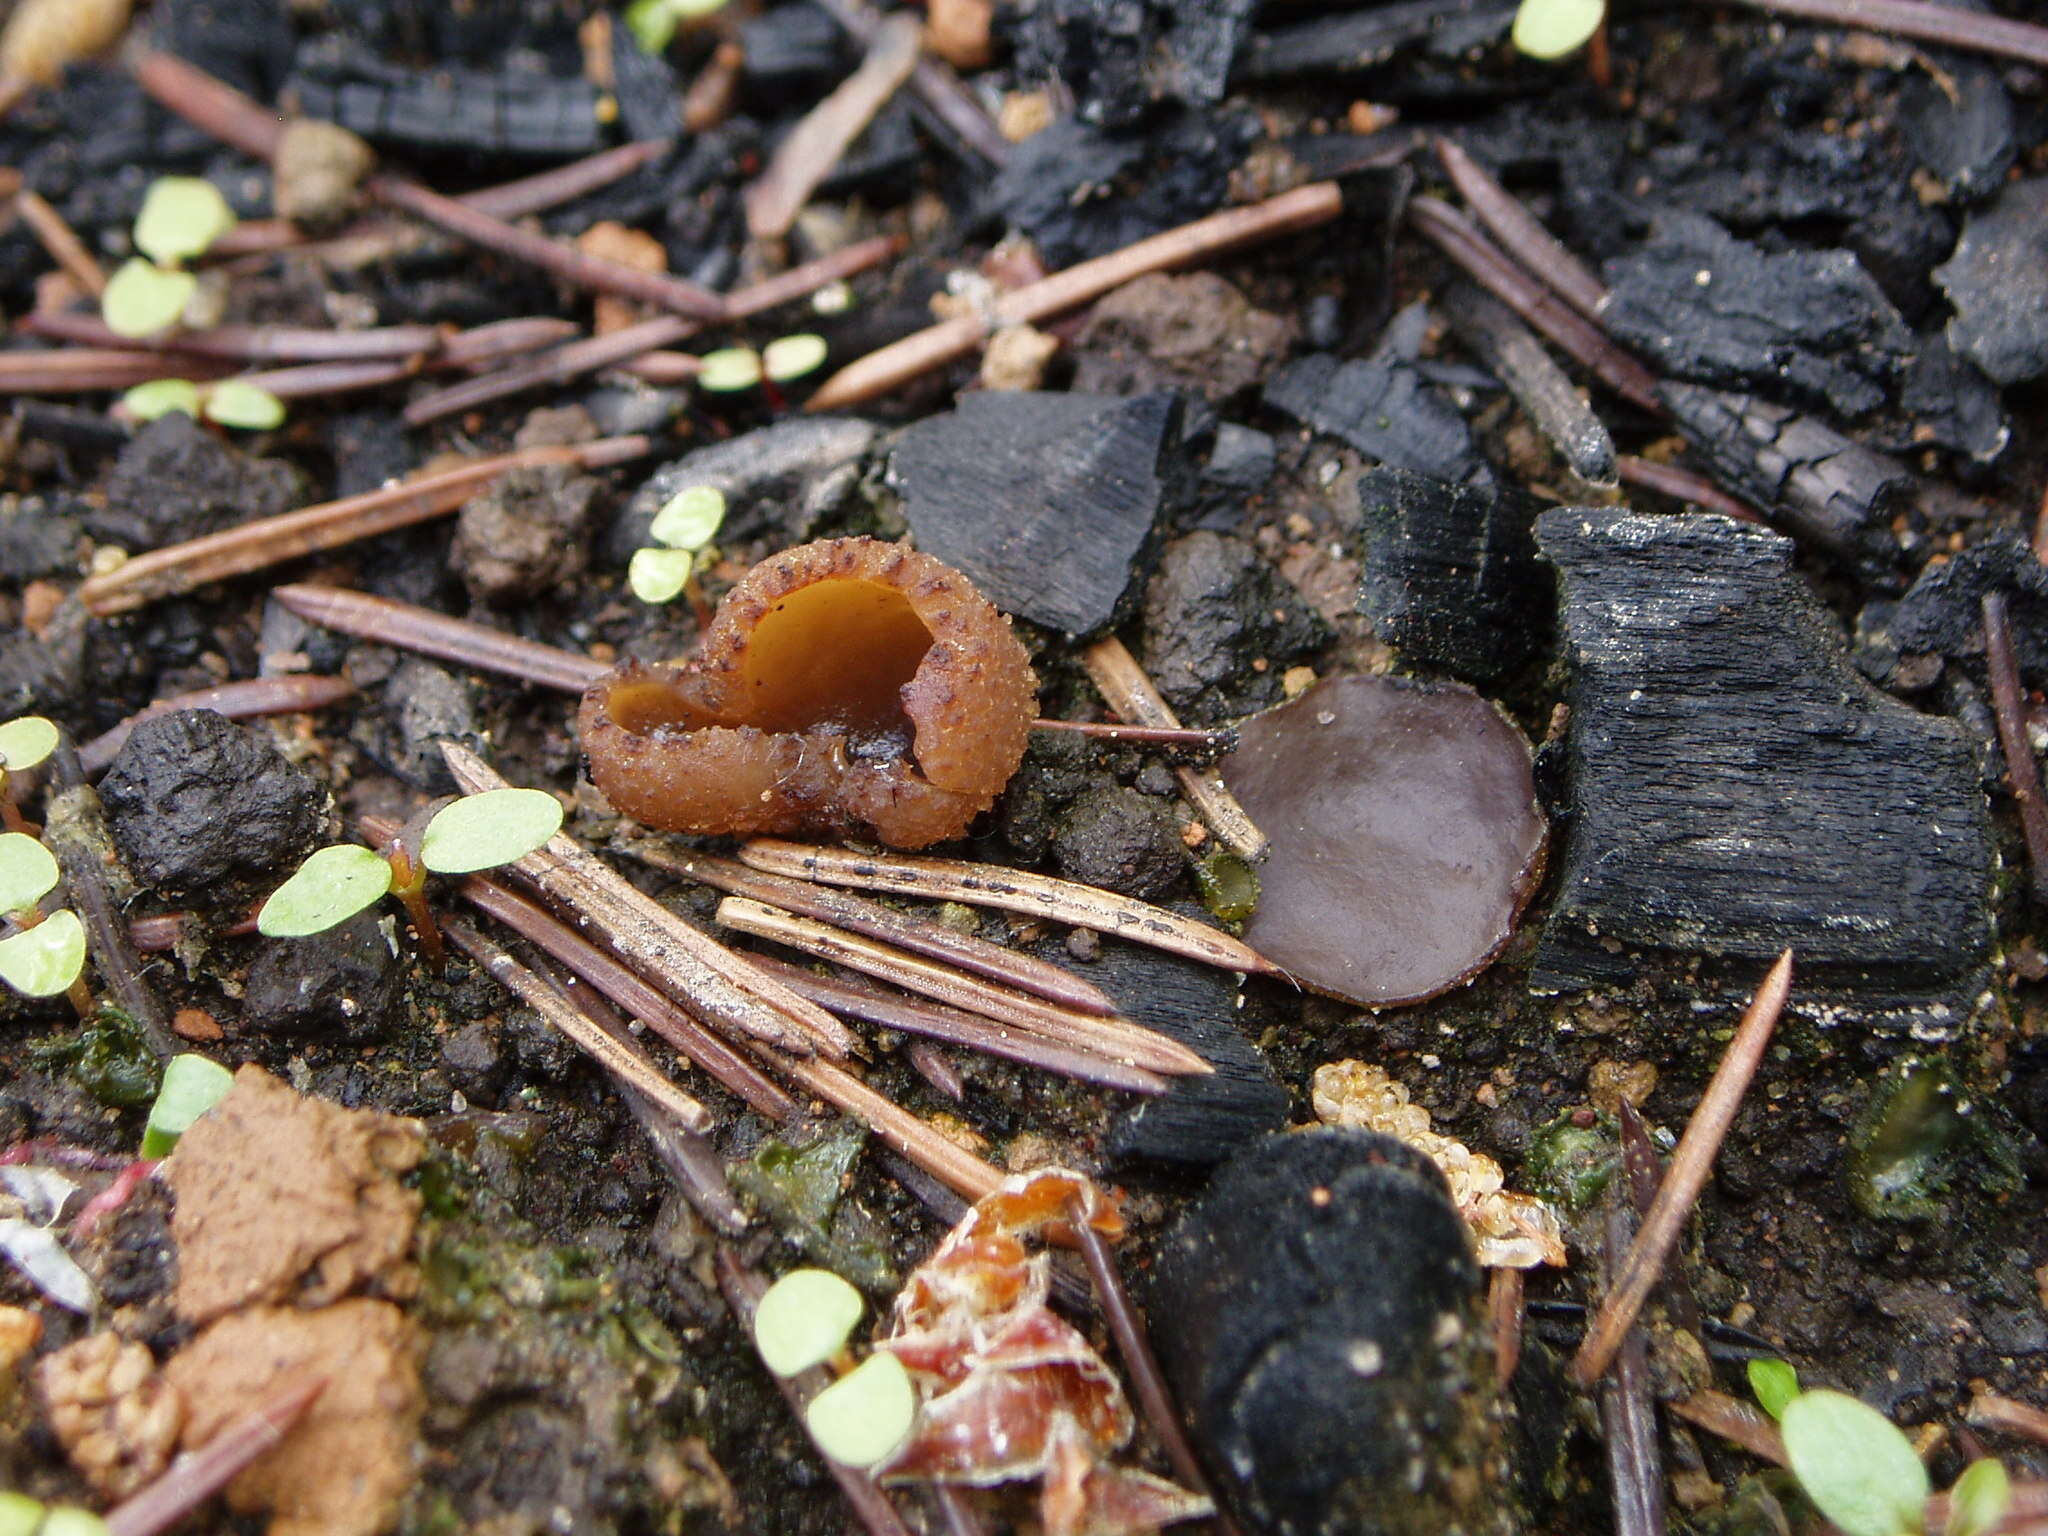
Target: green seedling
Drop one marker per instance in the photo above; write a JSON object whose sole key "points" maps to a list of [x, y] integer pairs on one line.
{"points": [[862, 1417], [682, 532], [476, 832], [181, 217], [230, 403], [1775, 1384], [1550, 29], [1979, 1500], [653, 23], [789, 358], [1856, 1466], [192, 1085], [729, 370], [21, 1515], [27, 873], [805, 1319], [48, 959]]}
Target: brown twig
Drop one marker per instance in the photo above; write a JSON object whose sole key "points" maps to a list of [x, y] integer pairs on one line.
{"points": [[743, 1289], [931, 1063], [936, 85], [622, 346], [1129, 692], [81, 370], [1733, 1419], [1687, 1176], [1990, 1411], [1504, 1298], [272, 540], [61, 241], [619, 1056], [693, 1164], [427, 633], [2041, 530], [720, 1061], [1924, 22], [1026, 972], [1207, 743], [1628, 1415], [1513, 354], [1522, 234], [934, 347], [1683, 485], [1644, 1170], [1115, 1038], [1012, 890], [855, 997], [1458, 238], [810, 150], [1142, 1366], [945, 1160], [198, 1475], [286, 694], [2008, 705], [556, 257], [248, 343], [209, 104], [719, 985], [708, 101]]}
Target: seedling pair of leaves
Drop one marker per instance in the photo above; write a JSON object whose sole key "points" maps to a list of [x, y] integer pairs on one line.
{"points": [[473, 833], [181, 216], [1551, 29], [228, 403], [1860, 1470], [805, 1319], [682, 532], [21, 1515], [733, 370], [45, 956]]}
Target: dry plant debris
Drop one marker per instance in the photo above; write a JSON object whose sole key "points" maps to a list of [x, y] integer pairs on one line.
{"points": [[290, 1200], [1511, 1231], [116, 1418]]}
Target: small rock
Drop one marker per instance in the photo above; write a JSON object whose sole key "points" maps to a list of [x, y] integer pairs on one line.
{"points": [[1998, 282], [290, 1199], [40, 538], [524, 534], [194, 798], [345, 982], [475, 1061], [1120, 840], [176, 480], [1385, 409], [116, 1418], [958, 31], [1016, 358], [1213, 608], [316, 172], [1194, 333]]}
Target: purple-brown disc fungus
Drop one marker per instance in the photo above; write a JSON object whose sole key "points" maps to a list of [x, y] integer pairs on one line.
{"points": [[1405, 830], [845, 686]]}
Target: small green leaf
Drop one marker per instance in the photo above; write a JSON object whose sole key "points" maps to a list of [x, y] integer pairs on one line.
{"points": [[143, 300], [1855, 1464], [486, 830], [44, 960], [691, 518], [1550, 29], [27, 872], [791, 357], [696, 10], [181, 216], [332, 886], [26, 740], [653, 25], [192, 1085], [19, 1514], [70, 1520], [805, 1319], [864, 1415], [658, 575], [729, 369], [237, 403], [1775, 1384], [1979, 1499], [160, 397]]}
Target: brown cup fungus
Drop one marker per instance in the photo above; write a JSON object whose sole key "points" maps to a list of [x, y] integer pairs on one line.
{"points": [[846, 686], [1406, 836]]}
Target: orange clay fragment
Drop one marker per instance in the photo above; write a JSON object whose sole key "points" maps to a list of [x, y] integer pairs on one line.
{"points": [[846, 686]]}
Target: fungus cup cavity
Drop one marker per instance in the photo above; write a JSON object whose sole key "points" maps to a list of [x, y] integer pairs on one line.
{"points": [[846, 686]]}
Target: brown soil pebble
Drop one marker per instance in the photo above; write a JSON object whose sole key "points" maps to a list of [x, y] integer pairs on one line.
{"points": [[1406, 835], [283, 1198], [117, 1419], [1192, 331], [342, 1471], [845, 686]]}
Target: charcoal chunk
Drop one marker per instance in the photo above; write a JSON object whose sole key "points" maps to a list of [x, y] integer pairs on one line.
{"points": [[345, 983], [1198, 1121], [1357, 39], [193, 798], [246, 43], [1450, 574], [1942, 615], [1081, 191], [1383, 408], [40, 537], [1808, 325], [793, 52], [1736, 787], [1214, 608], [1047, 501], [650, 101], [1961, 126], [1998, 282], [1827, 488], [1946, 400], [1318, 1313], [1119, 840], [176, 480]]}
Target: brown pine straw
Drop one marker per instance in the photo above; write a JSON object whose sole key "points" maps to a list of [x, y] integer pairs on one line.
{"points": [[1733, 1419], [1924, 23], [1522, 233], [61, 241], [198, 1475], [285, 694], [2008, 701], [272, 540], [895, 365], [427, 633], [1691, 1166]]}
